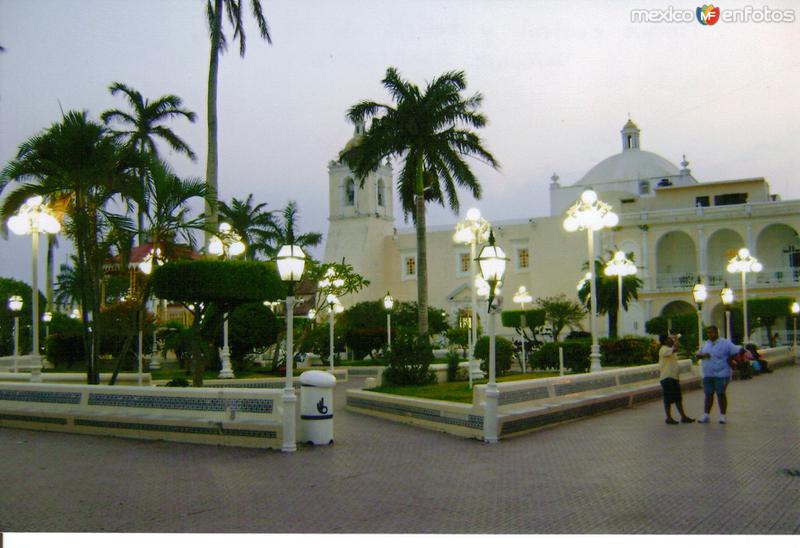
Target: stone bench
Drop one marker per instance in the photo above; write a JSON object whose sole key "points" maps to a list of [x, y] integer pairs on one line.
{"points": [[233, 417]]}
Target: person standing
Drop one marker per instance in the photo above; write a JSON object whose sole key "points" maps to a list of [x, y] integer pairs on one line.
{"points": [[670, 374], [716, 371]]}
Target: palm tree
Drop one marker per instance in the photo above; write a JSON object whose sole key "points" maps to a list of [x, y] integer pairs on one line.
{"points": [[284, 229], [143, 124], [608, 294], [430, 130], [253, 223], [80, 159], [214, 9]]}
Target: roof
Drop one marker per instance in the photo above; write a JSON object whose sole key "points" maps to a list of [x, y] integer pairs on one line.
{"points": [[630, 165]]}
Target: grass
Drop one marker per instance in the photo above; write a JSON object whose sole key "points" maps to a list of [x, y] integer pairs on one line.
{"points": [[459, 392]]}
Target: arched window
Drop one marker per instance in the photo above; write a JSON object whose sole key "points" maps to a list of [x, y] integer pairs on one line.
{"points": [[349, 192], [381, 193]]}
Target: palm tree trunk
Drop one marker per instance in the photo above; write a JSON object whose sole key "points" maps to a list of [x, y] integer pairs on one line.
{"points": [[48, 289], [422, 253], [211, 160]]}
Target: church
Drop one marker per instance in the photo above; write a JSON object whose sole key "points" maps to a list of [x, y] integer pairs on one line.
{"points": [[676, 228]]}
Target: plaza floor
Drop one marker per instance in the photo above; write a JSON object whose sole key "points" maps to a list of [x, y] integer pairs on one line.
{"points": [[623, 472]]}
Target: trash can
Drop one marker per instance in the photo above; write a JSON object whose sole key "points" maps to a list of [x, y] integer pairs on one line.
{"points": [[316, 407]]}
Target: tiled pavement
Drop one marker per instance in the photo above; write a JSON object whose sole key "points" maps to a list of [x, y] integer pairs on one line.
{"points": [[622, 472]]}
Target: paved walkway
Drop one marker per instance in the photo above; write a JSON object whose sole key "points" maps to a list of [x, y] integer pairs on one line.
{"points": [[622, 472]]}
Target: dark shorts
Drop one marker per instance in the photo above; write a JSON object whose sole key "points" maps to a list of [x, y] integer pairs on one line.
{"points": [[716, 385], [672, 390]]}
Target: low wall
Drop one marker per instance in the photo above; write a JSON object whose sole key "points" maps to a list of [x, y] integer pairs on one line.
{"points": [[233, 417]]}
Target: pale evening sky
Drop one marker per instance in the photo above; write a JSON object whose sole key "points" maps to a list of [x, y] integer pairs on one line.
{"points": [[559, 79]]}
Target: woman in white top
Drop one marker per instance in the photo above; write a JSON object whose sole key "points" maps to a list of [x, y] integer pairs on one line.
{"points": [[670, 371]]}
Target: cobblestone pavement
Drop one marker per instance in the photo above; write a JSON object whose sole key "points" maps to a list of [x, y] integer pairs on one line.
{"points": [[622, 472]]}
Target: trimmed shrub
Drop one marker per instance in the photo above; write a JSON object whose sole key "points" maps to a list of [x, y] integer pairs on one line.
{"points": [[513, 318], [65, 349], [251, 326], [504, 351], [576, 355], [629, 351], [318, 342], [409, 362]]}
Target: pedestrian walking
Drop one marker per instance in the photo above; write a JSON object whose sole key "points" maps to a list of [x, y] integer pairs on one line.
{"points": [[670, 377], [716, 370]]}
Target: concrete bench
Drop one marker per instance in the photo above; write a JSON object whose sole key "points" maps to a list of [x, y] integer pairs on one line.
{"points": [[234, 417]]}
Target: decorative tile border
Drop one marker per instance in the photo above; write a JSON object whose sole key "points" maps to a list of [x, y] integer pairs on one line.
{"points": [[537, 421], [69, 398], [179, 403], [205, 430], [31, 418], [630, 378], [584, 386], [517, 396]]}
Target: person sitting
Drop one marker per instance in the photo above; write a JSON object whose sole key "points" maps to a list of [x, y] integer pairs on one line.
{"points": [[763, 365]]}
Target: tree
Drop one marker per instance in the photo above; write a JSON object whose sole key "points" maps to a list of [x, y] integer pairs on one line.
{"points": [[254, 224], [608, 294], [561, 312], [214, 9], [767, 310], [283, 229], [82, 161], [143, 122], [430, 130]]}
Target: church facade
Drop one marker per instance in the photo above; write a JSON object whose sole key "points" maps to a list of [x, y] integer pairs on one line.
{"points": [[676, 227]]}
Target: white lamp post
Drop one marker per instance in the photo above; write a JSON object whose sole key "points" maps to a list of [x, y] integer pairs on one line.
{"points": [[726, 296], [699, 294], [743, 263], [523, 297], [32, 218], [492, 262], [591, 215], [795, 309], [620, 266], [473, 230], [47, 317], [227, 244], [15, 305], [291, 263], [334, 307], [388, 304]]}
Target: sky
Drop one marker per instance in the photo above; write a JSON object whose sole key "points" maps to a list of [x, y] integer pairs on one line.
{"points": [[559, 81]]}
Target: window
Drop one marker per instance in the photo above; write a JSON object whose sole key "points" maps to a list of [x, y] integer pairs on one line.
{"points": [[644, 187], [523, 258], [349, 192], [463, 262], [702, 201], [730, 199], [409, 266], [381, 192]]}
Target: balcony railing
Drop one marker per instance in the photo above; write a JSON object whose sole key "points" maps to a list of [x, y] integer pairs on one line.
{"points": [[769, 277]]}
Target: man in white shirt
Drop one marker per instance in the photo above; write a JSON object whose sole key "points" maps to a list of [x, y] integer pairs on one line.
{"points": [[715, 354]]}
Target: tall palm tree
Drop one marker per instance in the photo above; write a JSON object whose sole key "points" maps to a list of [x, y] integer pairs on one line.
{"points": [[608, 294], [430, 130], [80, 159], [144, 123], [253, 223], [214, 11], [284, 229]]}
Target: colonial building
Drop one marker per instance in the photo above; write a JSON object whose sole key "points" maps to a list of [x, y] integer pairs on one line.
{"points": [[676, 227]]}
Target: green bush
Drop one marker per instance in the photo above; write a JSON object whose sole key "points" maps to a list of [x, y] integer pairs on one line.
{"points": [[178, 381], [65, 349], [178, 339], [513, 318], [251, 326], [409, 362], [629, 351], [119, 321], [576, 355], [318, 342], [504, 351], [363, 327], [685, 324], [454, 372]]}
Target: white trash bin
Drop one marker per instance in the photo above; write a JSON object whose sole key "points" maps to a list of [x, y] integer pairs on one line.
{"points": [[316, 407]]}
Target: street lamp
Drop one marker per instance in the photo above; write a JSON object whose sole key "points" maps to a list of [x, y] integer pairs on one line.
{"points": [[291, 263], [15, 305], [743, 263], [334, 307], [32, 218], [726, 296], [228, 244], [591, 215], [795, 309], [473, 230], [492, 262], [47, 317], [699, 294], [523, 297], [620, 266], [388, 304]]}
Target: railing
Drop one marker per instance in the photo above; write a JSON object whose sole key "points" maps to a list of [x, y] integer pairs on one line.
{"points": [[769, 277], [677, 280]]}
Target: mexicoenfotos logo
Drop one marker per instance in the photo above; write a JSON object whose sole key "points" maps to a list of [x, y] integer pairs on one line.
{"points": [[707, 14]]}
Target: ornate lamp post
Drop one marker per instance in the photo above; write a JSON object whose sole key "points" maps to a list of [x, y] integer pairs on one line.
{"points": [[147, 266], [227, 244], [291, 263], [15, 305], [47, 317], [32, 218], [743, 263], [699, 294], [473, 230], [523, 297], [591, 215], [334, 307], [388, 304], [726, 296], [620, 266], [492, 262], [795, 309]]}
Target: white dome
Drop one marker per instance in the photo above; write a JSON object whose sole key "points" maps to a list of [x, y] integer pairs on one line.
{"points": [[630, 165]]}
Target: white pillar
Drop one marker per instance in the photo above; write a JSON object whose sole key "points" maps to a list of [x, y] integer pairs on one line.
{"points": [[36, 359], [645, 261], [16, 343], [490, 434], [225, 354], [746, 335], [289, 397], [595, 354], [330, 320], [701, 254], [474, 369], [389, 330]]}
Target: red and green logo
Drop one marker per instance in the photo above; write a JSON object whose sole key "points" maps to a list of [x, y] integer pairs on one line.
{"points": [[707, 14]]}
